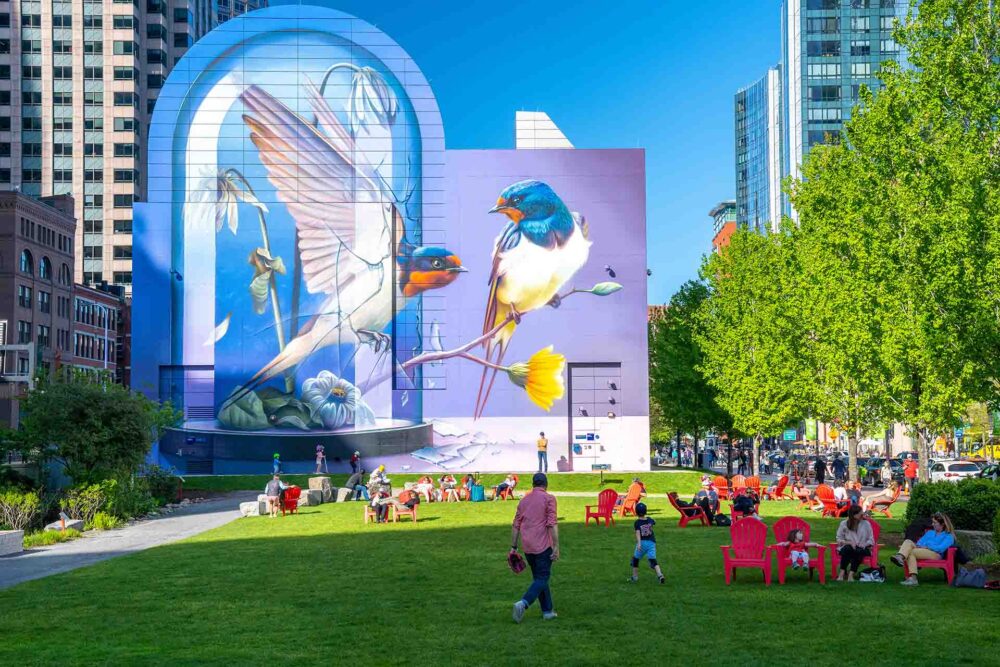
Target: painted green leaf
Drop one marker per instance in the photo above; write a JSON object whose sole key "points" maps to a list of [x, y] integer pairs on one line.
{"points": [[604, 289], [245, 414], [295, 416], [258, 291]]}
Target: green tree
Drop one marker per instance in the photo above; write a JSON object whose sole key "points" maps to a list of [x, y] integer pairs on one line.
{"points": [[95, 429], [677, 386]]}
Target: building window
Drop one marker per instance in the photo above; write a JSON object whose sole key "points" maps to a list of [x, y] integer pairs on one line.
{"points": [[823, 24], [861, 69], [122, 22], [156, 57], [93, 48], [93, 175], [62, 150], [65, 275], [31, 46], [62, 21], [31, 20], [62, 46], [44, 302], [93, 123], [27, 262], [45, 269], [124, 124], [889, 47], [824, 48], [124, 175], [31, 175], [156, 31], [64, 98], [823, 4], [860, 48], [24, 296], [123, 201], [123, 252], [93, 149], [31, 149], [124, 150], [23, 332], [62, 72], [93, 226], [124, 48], [93, 73], [154, 81], [123, 226], [124, 73], [30, 72], [93, 277], [125, 99], [44, 335], [182, 40], [182, 15], [93, 252], [824, 93], [122, 277], [823, 137], [860, 24]]}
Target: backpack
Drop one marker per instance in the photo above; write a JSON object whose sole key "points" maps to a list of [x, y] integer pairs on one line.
{"points": [[722, 520], [743, 504], [970, 578], [873, 575]]}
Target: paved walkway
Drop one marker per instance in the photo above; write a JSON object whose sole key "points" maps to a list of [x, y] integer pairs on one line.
{"points": [[99, 545]]}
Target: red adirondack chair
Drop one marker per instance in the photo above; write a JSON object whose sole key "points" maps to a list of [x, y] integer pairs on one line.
{"points": [[688, 514], [738, 485], [831, 506], [290, 502], [748, 549], [753, 483], [778, 492], [721, 487], [883, 506], [781, 529], [605, 508], [870, 561], [947, 564]]}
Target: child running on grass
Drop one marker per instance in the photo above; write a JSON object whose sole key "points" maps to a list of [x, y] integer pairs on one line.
{"points": [[645, 543]]}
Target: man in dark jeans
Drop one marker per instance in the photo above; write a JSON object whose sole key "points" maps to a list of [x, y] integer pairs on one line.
{"points": [[535, 525]]}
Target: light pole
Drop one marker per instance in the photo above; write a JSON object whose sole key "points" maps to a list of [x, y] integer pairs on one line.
{"points": [[107, 316]]}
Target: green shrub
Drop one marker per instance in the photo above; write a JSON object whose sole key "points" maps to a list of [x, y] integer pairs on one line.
{"points": [[20, 510], [971, 504], [996, 531], [47, 537], [162, 483], [84, 502], [129, 497], [104, 521]]}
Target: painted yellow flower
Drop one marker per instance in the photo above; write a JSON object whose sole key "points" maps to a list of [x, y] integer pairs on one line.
{"points": [[541, 377]]}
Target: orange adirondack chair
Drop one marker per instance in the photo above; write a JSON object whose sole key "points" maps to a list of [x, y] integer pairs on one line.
{"points": [[605, 508], [738, 485], [748, 549], [627, 507], [688, 514], [753, 483], [882, 506], [870, 561], [781, 529], [947, 564], [831, 506], [721, 487], [777, 492], [290, 503], [508, 493], [400, 511]]}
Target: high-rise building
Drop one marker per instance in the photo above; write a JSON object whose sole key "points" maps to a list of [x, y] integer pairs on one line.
{"points": [[830, 48], [78, 82], [758, 153], [723, 217]]}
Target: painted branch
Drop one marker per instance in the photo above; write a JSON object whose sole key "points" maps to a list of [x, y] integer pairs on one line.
{"points": [[275, 305]]}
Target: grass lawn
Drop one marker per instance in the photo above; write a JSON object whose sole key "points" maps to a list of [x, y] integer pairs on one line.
{"points": [[685, 482], [321, 588]]}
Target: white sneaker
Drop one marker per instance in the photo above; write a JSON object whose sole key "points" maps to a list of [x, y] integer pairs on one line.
{"points": [[519, 608], [549, 615], [911, 581]]}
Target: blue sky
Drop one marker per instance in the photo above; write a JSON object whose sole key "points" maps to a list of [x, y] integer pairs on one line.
{"points": [[653, 74]]}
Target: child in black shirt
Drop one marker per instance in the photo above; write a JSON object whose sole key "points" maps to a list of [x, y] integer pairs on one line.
{"points": [[645, 543]]}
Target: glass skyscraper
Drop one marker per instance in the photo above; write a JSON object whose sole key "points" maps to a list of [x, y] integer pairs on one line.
{"points": [[829, 49], [758, 153]]}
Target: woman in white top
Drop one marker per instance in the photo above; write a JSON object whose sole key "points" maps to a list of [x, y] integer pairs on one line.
{"points": [[854, 542]]}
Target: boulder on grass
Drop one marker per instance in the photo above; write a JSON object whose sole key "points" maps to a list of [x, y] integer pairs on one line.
{"points": [[253, 508], [322, 484], [11, 542], [341, 495], [71, 524], [311, 497]]}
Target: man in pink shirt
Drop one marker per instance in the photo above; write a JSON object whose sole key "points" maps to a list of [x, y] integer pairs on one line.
{"points": [[535, 525]]}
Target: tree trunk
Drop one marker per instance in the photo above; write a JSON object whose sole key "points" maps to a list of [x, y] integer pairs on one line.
{"points": [[852, 454], [729, 458], [694, 456], [923, 456], [678, 449]]}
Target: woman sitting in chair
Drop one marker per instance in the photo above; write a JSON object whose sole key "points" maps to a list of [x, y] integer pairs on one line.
{"points": [[448, 487], [425, 486], [507, 485], [885, 494]]}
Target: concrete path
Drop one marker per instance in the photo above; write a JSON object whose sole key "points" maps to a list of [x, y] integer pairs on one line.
{"points": [[99, 545]]}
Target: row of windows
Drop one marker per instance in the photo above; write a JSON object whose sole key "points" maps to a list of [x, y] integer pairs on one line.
{"points": [[853, 4], [832, 93], [826, 48], [27, 267], [96, 315], [97, 252], [93, 347], [97, 226], [831, 24], [34, 149], [121, 124]]}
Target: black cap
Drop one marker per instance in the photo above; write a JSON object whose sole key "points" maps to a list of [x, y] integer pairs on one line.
{"points": [[540, 479]]}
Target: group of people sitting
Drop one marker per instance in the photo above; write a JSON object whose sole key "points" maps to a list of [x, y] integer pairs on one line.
{"points": [[846, 494]]}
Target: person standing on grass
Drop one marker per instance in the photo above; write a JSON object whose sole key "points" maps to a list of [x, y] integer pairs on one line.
{"points": [[543, 452], [820, 470], [321, 458], [276, 463], [355, 461], [273, 490], [645, 544], [535, 526], [910, 472]]}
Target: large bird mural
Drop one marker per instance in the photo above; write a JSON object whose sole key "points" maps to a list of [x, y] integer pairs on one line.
{"points": [[539, 250], [367, 271]]}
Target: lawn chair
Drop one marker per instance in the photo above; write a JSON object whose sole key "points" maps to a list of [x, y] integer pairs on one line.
{"points": [[748, 549], [753, 483], [947, 564], [831, 506], [631, 499], [870, 561], [402, 510], [738, 484], [508, 493], [688, 514], [882, 506], [370, 515], [290, 501], [605, 508], [721, 487], [781, 529], [778, 492]]}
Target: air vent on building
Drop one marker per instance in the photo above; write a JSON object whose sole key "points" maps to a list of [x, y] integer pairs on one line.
{"points": [[200, 412], [199, 467]]}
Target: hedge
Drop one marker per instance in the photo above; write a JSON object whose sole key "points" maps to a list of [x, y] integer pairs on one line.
{"points": [[971, 504]]}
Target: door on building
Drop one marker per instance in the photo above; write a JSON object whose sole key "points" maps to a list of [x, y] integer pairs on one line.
{"points": [[595, 391]]}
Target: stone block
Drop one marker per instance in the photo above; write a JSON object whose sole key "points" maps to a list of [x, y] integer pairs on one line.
{"points": [[976, 543], [253, 508], [71, 524], [11, 542], [322, 484], [311, 497], [341, 495]]}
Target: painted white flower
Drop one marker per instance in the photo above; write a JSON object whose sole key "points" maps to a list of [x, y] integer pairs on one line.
{"points": [[371, 97], [223, 190], [335, 402]]}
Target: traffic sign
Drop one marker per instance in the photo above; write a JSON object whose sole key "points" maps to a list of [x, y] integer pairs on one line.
{"points": [[789, 434]]}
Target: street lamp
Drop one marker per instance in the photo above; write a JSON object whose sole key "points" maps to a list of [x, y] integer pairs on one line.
{"points": [[107, 316]]}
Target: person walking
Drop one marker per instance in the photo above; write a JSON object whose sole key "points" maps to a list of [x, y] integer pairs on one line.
{"points": [[820, 470], [910, 472], [321, 459], [543, 452], [839, 469], [355, 461], [535, 526], [276, 463]]}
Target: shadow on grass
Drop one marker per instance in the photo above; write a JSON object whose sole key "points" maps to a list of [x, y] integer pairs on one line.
{"points": [[323, 587]]}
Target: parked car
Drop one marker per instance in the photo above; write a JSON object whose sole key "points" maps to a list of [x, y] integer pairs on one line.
{"points": [[873, 466], [952, 471], [991, 471], [980, 463]]}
